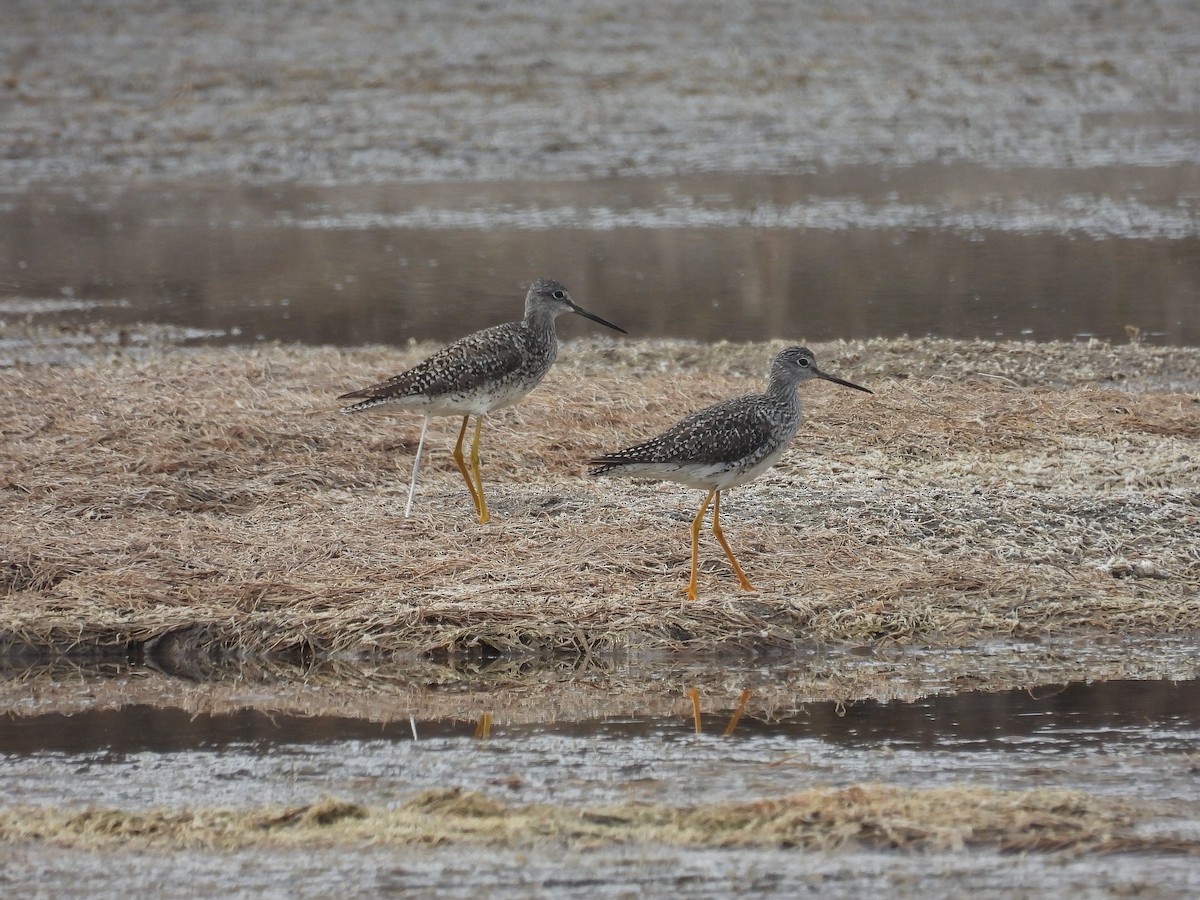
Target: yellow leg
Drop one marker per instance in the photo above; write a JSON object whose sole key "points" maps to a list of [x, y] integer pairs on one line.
{"points": [[697, 524], [737, 713], [746, 585], [462, 466], [482, 501], [483, 729]]}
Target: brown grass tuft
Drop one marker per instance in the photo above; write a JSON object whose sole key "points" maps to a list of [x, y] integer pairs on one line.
{"points": [[867, 816]]}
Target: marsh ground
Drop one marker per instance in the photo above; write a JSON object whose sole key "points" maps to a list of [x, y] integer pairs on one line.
{"points": [[195, 530]]}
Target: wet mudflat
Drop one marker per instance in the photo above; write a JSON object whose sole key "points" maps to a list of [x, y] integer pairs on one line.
{"points": [[394, 175], [1128, 747], [220, 680], [612, 871], [1106, 737], [998, 504]]}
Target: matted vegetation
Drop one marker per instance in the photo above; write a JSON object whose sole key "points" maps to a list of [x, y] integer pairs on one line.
{"points": [[870, 816], [214, 501]]}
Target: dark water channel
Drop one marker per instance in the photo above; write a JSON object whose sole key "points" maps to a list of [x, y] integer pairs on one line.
{"points": [[1056, 718], [1106, 737], [948, 252]]}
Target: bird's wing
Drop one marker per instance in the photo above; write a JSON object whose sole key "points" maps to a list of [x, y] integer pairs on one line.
{"points": [[472, 360], [726, 431]]}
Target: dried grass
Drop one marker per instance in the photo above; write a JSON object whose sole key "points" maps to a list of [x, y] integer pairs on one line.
{"points": [[214, 501], [868, 816]]}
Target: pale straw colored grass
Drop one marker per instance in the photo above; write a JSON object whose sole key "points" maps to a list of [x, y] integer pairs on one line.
{"points": [[215, 498], [864, 816]]}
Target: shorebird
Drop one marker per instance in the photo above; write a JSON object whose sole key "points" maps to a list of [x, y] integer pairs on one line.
{"points": [[482, 372], [724, 445]]}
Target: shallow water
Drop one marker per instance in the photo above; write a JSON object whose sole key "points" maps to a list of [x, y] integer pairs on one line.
{"points": [[954, 252], [1103, 737], [1136, 740]]}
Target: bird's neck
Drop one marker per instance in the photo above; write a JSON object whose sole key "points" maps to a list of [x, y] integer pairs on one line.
{"points": [[784, 392], [540, 320], [539, 326]]}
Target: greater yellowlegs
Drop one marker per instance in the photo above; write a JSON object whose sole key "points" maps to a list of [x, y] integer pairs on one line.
{"points": [[724, 445], [477, 374]]}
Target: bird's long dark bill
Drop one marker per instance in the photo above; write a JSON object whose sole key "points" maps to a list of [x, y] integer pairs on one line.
{"points": [[595, 318], [849, 384]]}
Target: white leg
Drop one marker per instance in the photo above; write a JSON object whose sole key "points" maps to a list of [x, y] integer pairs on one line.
{"points": [[412, 487]]}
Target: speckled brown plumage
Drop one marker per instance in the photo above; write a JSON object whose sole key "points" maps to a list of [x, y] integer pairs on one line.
{"points": [[487, 370], [484, 371], [724, 445], [718, 445]]}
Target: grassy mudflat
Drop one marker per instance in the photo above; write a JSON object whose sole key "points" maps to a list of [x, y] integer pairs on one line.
{"points": [[872, 816], [216, 499], [211, 508]]}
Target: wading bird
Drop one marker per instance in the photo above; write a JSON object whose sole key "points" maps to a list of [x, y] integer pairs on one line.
{"points": [[482, 372], [724, 445]]}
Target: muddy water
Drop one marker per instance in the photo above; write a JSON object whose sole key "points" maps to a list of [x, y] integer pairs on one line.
{"points": [[1136, 740], [861, 252], [1105, 737]]}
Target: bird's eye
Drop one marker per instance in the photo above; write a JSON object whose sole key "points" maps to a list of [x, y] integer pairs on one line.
{"points": [[803, 362], [559, 295]]}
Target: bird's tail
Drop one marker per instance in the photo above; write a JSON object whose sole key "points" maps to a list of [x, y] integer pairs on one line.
{"points": [[602, 465], [368, 403]]}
